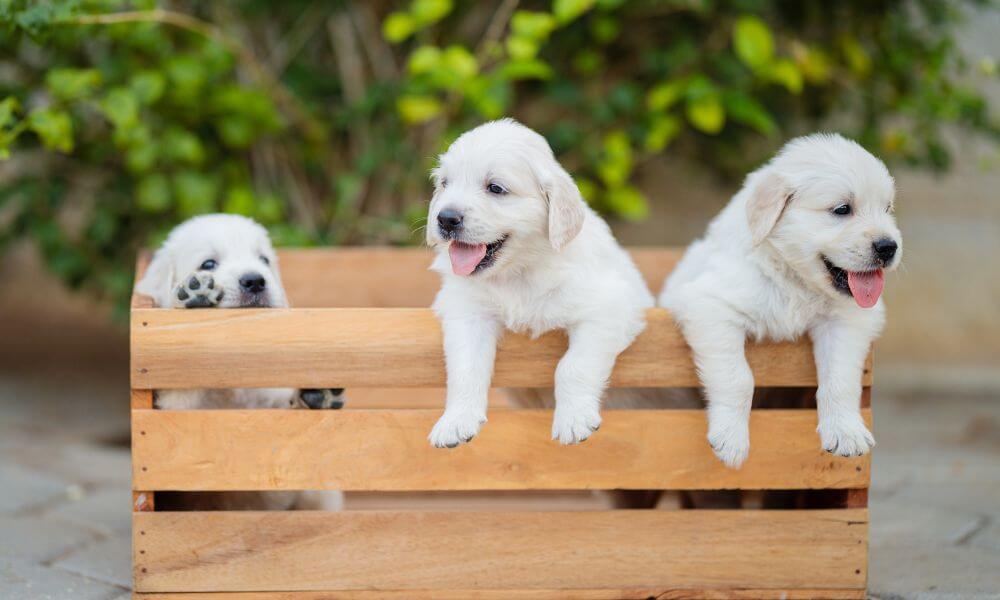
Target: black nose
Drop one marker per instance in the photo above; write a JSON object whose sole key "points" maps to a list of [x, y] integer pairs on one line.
{"points": [[252, 282], [885, 249], [450, 220]]}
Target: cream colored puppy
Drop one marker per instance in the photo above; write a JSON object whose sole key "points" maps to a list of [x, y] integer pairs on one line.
{"points": [[518, 249], [801, 249]]}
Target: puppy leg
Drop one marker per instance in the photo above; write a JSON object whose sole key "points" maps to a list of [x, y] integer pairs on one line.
{"points": [[720, 357], [581, 377], [470, 346], [840, 353], [197, 291]]}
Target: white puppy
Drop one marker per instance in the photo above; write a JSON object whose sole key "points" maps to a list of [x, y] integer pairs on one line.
{"points": [[227, 261], [800, 249], [519, 249]]}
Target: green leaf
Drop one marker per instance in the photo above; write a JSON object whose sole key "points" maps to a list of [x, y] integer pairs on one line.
{"points": [[240, 200], [424, 59], [753, 41], [460, 62], [532, 25], [236, 131], [784, 72], [187, 75], [54, 127], [744, 109], [857, 57], [605, 29], [140, 158], [706, 113], [662, 131], [70, 84], [567, 10], [195, 192], [615, 163], [664, 95], [181, 146], [426, 12], [121, 107], [398, 26], [147, 86], [418, 109], [8, 106], [814, 63], [531, 68], [521, 48], [153, 193], [628, 202]]}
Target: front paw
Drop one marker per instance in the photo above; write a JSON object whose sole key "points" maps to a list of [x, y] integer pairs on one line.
{"points": [[845, 436], [197, 291], [572, 425], [327, 398], [454, 428], [729, 436]]}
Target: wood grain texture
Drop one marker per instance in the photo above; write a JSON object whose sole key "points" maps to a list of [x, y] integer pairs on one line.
{"points": [[303, 551], [394, 348], [385, 450], [511, 594]]}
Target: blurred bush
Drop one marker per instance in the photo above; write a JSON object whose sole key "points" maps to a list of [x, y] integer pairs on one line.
{"points": [[321, 120]]}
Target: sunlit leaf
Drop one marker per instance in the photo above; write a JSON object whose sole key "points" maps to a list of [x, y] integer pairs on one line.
{"points": [[532, 25], [121, 107], [785, 73], [743, 109], [567, 10], [662, 130], [424, 60], [153, 193], [526, 69], [460, 62], [706, 113], [147, 86], [857, 57], [54, 127], [425, 12], [398, 26], [628, 202], [615, 164], [521, 48], [661, 97], [753, 41], [70, 84], [196, 193], [418, 109]]}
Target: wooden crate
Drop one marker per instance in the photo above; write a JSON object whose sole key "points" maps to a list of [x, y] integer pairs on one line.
{"points": [[355, 325]]}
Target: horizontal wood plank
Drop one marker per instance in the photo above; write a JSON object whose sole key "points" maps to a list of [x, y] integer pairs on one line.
{"points": [[303, 551], [387, 450], [512, 594], [395, 347]]}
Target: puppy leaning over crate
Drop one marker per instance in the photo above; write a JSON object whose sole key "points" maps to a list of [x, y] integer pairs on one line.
{"points": [[519, 249], [800, 249], [227, 261]]}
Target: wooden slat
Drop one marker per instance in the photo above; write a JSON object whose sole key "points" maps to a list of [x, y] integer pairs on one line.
{"points": [[376, 450], [510, 594], [394, 347], [303, 551], [397, 277]]}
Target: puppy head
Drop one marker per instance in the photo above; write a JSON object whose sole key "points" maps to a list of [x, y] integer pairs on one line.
{"points": [[236, 250], [825, 205], [501, 198]]}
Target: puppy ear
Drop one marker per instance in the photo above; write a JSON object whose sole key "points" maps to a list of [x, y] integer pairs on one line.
{"points": [[767, 200], [567, 209], [158, 280]]}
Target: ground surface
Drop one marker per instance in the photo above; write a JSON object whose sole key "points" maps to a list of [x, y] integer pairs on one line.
{"points": [[64, 492]]}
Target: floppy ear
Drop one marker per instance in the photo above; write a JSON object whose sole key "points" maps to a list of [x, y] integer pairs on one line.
{"points": [[158, 281], [566, 209], [767, 201]]}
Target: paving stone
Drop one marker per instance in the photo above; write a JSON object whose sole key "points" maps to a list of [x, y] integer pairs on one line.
{"points": [[23, 489], [106, 509], [891, 521], [81, 463], [906, 568], [41, 539], [109, 560], [22, 580]]}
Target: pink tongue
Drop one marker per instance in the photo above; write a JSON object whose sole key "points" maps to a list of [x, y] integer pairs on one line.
{"points": [[465, 257], [865, 287]]}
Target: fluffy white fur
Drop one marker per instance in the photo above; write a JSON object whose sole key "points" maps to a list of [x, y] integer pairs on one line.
{"points": [[239, 246], [559, 268], [759, 274]]}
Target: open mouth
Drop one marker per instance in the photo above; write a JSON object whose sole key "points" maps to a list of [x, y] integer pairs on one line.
{"points": [[467, 259], [864, 286]]}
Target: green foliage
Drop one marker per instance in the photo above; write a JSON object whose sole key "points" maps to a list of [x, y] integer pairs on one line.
{"points": [[321, 120]]}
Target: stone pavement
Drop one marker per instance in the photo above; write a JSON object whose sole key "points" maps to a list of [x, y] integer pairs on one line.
{"points": [[64, 492]]}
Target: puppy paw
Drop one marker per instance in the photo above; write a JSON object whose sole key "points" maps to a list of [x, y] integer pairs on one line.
{"points": [[197, 291], [845, 436], [327, 398], [730, 440], [454, 428], [572, 425]]}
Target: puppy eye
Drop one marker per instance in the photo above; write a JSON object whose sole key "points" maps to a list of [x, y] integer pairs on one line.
{"points": [[208, 265], [264, 260], [843, 209], [496, 188]]}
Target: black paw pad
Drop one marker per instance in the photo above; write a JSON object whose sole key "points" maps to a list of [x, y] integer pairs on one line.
{"points": [[322, 399]]}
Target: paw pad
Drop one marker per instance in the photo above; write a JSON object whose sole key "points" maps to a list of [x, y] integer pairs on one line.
{"points": [[328, 398], [198, 291]]}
